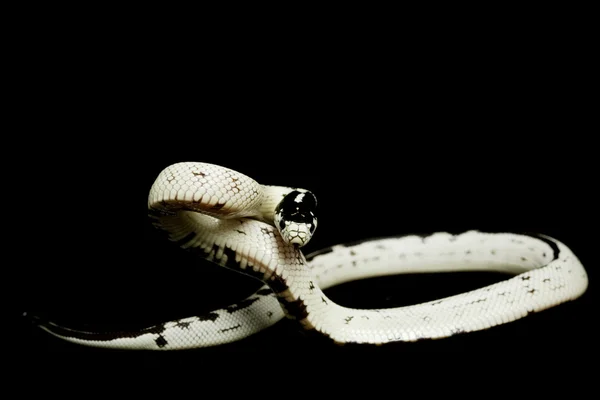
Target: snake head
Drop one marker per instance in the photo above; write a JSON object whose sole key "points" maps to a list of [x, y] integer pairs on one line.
{"points": [[295, 217]]}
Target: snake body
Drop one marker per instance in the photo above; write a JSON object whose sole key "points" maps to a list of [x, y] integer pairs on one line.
{"points": [[230, 219]]}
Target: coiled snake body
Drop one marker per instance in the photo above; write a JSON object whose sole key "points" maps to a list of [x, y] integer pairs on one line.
{"points": [[230, 219]]}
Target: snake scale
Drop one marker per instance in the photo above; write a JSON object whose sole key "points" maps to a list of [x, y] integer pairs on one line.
{"points": [[259, 230]]}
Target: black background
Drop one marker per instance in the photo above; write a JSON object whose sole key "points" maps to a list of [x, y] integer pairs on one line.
{"points": [[459, 141]]}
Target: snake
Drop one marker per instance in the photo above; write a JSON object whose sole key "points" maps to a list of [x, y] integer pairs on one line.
{"points": [[259, 230]]}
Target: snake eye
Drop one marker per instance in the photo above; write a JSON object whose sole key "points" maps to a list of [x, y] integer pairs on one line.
{"points": [[312, 228], [281, 225]]}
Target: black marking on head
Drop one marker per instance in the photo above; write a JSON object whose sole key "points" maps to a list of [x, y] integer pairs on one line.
{"points": [[200, 174], [311, 286], [468, 252], [302, 212], [242, 232], [230, 329], [525, 278], [189, 237], [546, 280], [161, 341], [348, 319], [264, 292], [352, 253], [531, 291], [241, 305], [208, 317], [269, 314], [323, 300]]}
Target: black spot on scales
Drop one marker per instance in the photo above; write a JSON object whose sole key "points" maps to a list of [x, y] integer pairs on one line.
{"points": [[161, 341], [238, 326], [208, 317], [183, 325]]}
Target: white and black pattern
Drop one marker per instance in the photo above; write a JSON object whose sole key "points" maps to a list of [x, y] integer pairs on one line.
{"points": [[219, 214], [295, 217]]}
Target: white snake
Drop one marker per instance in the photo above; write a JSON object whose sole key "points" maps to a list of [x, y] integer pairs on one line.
{"points": [[231, 220]]}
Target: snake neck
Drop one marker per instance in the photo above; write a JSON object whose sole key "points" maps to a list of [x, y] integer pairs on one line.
{"points": [[272, 196]]}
